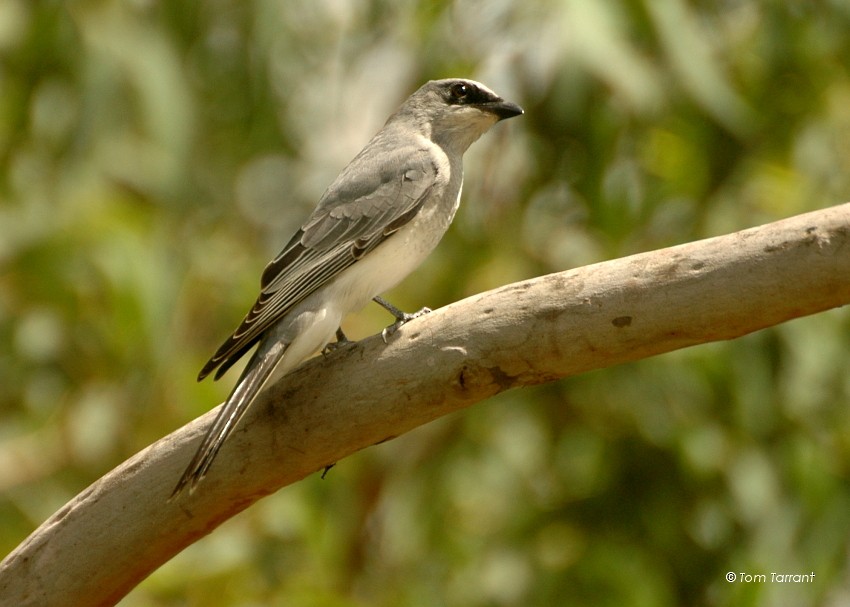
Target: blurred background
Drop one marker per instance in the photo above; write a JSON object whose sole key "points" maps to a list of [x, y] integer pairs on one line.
{"points": [[155, 155]]}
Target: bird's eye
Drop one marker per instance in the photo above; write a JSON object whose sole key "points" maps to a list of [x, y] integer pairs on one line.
{"points": [[460, 91]]}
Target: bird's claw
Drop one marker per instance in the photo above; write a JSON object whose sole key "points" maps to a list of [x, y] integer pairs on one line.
{"points": [[331, 347], [401, 319], [341, 340]]}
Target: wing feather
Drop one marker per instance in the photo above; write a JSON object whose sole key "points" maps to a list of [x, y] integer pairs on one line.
{"points": [[366, 204]]}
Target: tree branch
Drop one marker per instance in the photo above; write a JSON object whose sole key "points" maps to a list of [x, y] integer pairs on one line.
{"points": [[111, 536]]}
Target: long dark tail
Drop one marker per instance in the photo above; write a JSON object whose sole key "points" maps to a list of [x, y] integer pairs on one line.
{"points": [[250, 382]]}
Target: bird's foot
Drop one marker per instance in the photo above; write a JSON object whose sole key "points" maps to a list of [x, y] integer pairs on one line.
{"points": [[400, 317], [400, 321], [341, 340]]}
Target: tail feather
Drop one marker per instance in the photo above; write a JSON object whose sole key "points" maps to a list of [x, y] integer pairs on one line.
{"points": [[253, 378]]}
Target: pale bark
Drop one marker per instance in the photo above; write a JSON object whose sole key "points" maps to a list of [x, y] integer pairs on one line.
{"points": [[112, 535]]}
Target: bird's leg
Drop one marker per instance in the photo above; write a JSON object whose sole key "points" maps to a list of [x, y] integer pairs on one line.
{"points": [[400, 317], [341, 340]]}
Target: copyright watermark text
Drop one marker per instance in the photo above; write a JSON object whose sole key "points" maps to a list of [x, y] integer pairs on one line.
{"points": [[760, 578]]}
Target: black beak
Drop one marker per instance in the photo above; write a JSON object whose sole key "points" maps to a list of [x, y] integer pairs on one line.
{"points": [[501, 108]]}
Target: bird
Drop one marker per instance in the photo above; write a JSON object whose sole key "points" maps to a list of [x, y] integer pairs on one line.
{"points": [[378, 220]]}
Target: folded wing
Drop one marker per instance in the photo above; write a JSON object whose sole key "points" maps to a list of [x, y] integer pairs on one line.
{"points": [[351, 219]]}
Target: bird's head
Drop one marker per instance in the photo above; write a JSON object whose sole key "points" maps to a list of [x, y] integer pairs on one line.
{"points": [[455, 112]]}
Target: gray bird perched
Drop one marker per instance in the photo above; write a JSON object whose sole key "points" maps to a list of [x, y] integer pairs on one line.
{"points": [[374, 225]]}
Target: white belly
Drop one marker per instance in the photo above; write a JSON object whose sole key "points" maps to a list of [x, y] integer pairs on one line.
{"points": [[312, 324], [391, 262]]}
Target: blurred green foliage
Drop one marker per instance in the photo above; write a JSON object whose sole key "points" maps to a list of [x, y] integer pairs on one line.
{"points": [[154, 155]]}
